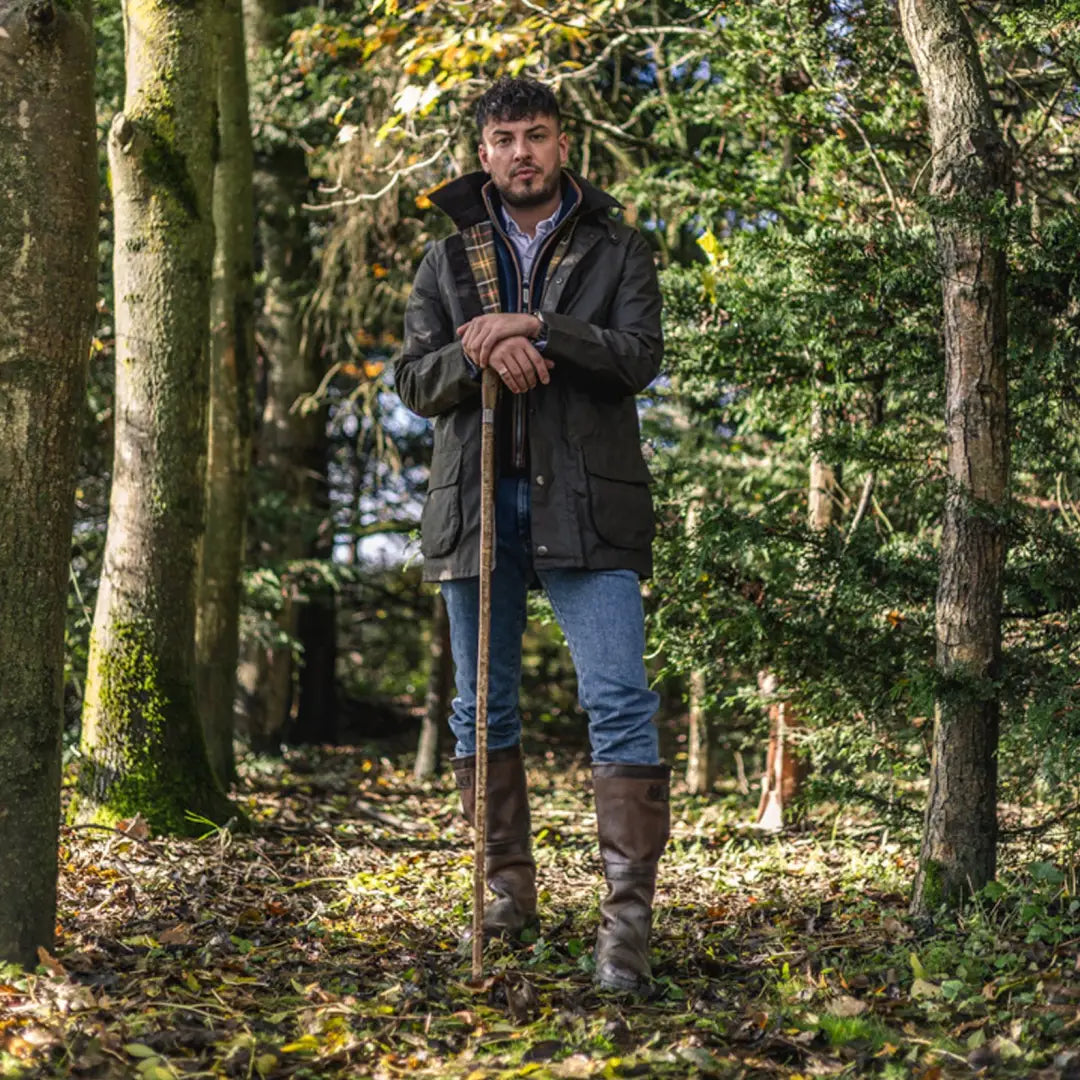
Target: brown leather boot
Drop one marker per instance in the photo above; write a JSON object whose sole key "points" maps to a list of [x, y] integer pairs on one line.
{"points": [[633, 822], [510, 867]]}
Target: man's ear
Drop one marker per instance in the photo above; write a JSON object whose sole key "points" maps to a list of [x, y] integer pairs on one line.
{"points": [[564, 147], [481, 151]]}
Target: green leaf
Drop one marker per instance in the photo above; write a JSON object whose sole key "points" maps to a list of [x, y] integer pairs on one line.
{"points": [[139, 1050]]}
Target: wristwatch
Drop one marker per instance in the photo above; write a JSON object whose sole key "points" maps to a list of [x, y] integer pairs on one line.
{"points": [[542, 333]]}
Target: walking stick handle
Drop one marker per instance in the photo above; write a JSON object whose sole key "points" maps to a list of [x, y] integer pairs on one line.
{"points": [[488, 397]]}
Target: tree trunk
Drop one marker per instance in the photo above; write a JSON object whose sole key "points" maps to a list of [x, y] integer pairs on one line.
{"points": [[970, 173], [143, 750], [48, 255], [700, 767], [785, 768], [700, 759], [232, 347], [314, 718], [437, 700], [821, 496], [290, 443]]}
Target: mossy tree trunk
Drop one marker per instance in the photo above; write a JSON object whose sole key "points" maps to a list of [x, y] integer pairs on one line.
{"points": [[232, 347], [48, 256], [290, 445], [143, 750], [970, 178]]}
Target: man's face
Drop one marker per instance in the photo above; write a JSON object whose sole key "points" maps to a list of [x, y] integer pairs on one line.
{"points": [[524, 158]]}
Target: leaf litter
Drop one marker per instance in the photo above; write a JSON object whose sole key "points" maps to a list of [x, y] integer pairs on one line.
{"points": [[328, 943]]}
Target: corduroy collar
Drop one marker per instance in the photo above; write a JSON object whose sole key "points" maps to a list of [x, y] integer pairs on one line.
{"points": [[462, 200]]}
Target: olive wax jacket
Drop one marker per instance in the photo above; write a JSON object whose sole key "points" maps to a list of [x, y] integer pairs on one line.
{"points": [[589, 484]]}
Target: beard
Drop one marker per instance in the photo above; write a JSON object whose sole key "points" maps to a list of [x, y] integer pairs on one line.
{"points": [[537, 196]]}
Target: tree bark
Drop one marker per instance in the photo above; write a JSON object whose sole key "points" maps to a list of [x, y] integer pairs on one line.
{"points": [[48, 259], [785, 768], [970, 174], [700, 759], [291, 457], [437, 700], [143, 750], [821, 496], [232, 348], [314, 720]]}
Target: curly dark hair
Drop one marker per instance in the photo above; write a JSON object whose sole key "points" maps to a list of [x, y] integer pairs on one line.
{"points": [[515, 99]]}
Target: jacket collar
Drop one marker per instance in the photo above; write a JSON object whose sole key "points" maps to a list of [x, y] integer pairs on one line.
{"points": [[463, 200]]}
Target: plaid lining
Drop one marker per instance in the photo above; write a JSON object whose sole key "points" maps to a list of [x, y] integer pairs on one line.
{"points": [[480, 249], [483, 262]]}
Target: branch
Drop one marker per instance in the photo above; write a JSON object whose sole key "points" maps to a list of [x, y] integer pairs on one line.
{"points": [[854, 121], [374, 196]]}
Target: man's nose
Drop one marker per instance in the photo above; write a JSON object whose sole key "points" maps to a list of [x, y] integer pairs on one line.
{"points": [[522, 150]]}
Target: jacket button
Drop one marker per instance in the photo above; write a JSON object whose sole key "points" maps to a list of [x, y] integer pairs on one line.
{"points": [[541, 550], [540, 481]]}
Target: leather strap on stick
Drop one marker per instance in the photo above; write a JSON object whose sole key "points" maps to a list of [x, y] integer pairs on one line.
{"points": [[489, 396]]}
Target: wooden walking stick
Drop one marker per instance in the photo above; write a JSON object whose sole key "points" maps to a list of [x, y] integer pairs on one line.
{"points": [[489, 395]]}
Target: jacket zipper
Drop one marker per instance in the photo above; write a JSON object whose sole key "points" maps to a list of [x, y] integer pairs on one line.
{"points": [[525, 292]]}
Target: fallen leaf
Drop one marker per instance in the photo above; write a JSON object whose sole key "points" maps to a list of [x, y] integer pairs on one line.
{"points": [[139, 1050], [136, 827], [542, 1051], [1005, 1049], [49, 962], [264, 1063], [921, 988], [180, 934], [846, 1005]]}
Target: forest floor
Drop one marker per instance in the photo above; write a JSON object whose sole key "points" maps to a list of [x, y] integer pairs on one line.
{"points": [[326, 944]]}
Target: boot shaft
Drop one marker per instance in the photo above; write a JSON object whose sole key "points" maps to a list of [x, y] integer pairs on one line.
{"points": [[509, 864], [633, 818], [633, 823], [509, 824]]}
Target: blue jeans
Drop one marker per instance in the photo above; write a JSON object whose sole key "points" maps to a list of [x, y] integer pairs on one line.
{"points": [[601, 616]]}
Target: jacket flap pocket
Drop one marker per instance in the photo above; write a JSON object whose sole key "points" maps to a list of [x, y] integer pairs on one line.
{"points": [[611, 464], [445, 469]]}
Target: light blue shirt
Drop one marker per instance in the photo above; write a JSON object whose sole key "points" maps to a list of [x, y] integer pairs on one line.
{"points": [[527, 246]]}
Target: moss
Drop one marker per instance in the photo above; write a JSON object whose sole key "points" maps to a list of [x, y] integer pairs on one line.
{"points": [[145, 752], [933, 892], [163, 162]]}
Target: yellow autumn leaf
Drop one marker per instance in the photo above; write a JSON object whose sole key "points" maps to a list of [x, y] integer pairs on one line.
{"points": [[306, 1044]]}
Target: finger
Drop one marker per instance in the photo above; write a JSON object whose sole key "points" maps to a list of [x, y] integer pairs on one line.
{"points": [[510, 369], [541, 365], [525, 371], [534, 361], [486, 343]]}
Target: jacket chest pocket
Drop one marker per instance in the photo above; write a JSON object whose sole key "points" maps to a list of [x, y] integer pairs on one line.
{"points": [[440, 522]]}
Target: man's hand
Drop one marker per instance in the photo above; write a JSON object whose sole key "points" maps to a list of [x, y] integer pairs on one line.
{"points": [[479, 336], [518, 364]]}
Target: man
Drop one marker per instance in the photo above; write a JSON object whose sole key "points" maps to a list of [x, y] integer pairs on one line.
{"points": [[541, 284]]}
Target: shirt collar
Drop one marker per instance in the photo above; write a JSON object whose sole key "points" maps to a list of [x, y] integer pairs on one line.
{"points": [[542, 228]]}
